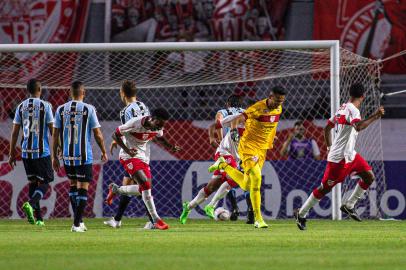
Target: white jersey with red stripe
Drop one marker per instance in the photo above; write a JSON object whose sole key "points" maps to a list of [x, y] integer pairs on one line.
{"points": [[345, 135], [227, 145], [137, 138]]}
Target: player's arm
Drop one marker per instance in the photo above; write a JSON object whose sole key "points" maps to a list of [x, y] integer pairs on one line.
{"points": [[165, 143], [219, 132], [12, 156], [232, 121], [55, 148], [363, 124], [123, 129], [98, 136]]}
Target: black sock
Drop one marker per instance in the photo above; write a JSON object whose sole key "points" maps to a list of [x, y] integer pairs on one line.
{"points": [[31, 188], [38, 194], [37, 211], [233, 200], [81, 201], [73, 193], [248, 201], [148, 214], [124, 201]]}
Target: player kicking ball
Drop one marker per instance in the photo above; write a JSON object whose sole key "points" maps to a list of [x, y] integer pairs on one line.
{"points": [[135, 156], [261, 121], [227, 150], [342, 160]]}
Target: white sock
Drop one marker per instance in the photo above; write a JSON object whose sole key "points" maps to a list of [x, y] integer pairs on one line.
{"points": [[130, 190], [198, 199], [221, 192], [149, 202], [355, 196], [309, 203]]}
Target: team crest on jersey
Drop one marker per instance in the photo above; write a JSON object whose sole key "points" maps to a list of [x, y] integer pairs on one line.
{"points": [[272, 119], [145, 136], [130, 166], [255, 158]]}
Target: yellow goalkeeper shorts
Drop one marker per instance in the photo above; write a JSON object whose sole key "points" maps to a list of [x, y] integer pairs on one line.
{"points": [[251, 156]]}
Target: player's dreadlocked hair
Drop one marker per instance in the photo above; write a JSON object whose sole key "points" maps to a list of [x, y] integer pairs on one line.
{"points": [[129, 88], [234, 101]]}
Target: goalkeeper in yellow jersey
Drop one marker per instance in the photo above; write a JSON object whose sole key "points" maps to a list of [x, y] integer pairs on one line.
{"points": [[261, 121]]}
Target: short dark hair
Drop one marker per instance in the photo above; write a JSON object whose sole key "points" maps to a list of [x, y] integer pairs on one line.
{"points": [[357, 90], [33, 86], [298, 123], [234, 101], [160, 113], [279, 90], [75, 88], [129, 88]]}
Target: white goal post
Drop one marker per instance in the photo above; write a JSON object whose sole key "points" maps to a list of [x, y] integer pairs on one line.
{"points": [[100, 77]]}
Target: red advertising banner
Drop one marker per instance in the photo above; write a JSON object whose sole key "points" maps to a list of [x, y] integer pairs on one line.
{"points": [[374, 29]]}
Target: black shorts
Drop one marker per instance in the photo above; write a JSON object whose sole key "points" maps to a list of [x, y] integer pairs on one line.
{"points": [[39, 169], [81, 173]]}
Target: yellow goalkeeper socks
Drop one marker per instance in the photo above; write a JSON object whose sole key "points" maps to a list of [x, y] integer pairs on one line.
{"points": [[255, 194]]}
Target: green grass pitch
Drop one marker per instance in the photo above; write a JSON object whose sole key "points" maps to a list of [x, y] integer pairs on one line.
{"points": [[204, 244]]}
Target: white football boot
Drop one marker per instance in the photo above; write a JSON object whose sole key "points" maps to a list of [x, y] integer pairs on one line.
{"points": [[113, 223]]}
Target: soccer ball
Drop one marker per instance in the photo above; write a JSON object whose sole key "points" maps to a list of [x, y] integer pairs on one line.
{"points": [[221, 214]]}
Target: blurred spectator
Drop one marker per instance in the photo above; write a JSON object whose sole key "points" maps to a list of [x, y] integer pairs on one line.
{"points": [[297, 146]]}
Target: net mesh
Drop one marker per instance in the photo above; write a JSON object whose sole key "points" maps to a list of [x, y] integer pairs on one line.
{"points": [[193, 86]]}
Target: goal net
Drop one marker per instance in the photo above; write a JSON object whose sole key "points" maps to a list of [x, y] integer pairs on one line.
{"points": [[192, 81]]}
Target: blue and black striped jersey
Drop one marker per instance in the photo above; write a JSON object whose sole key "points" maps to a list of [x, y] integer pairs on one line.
{"points": [[34, 115], [134, 109], [76, 120]]}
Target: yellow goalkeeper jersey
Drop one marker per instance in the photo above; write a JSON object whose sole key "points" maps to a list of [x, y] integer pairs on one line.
{"points": [[260, 125]]}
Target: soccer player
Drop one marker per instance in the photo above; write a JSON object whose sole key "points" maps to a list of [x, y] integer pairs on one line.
{"points": [[342, 160], [74, 122], [133, 108], [219, 181], [261, 121], [233, 107], [35, 117], [135, 156]]}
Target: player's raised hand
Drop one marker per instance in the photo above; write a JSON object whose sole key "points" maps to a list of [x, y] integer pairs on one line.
{"points": [[55, 164], [380, 112], [104, 157], [113, 145]]}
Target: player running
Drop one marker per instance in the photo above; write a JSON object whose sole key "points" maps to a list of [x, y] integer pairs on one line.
{"points": [[261, 121], [35, 117], [342, 160], [135, 156], [74, 122], [133, 109], [226, 149]]}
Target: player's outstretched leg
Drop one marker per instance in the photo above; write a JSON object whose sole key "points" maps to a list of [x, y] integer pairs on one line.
{"points": [[188, 206], [313, 199], [233, 173]]}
